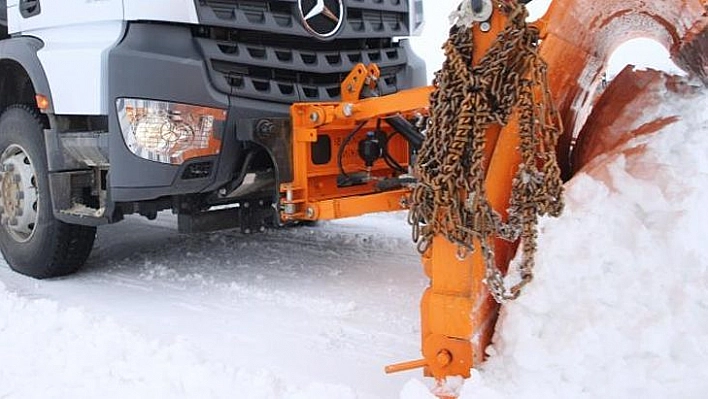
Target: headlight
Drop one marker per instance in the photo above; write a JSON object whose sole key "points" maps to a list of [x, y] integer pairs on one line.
{"points": [[169, 132], [416, 17]]}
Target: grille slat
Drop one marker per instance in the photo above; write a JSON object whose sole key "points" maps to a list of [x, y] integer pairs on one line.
{"points": [[260, 50], [300, 60], [385, 5], [282, 17]]}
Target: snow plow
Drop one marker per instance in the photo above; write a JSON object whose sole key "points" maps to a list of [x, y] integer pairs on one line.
{"points": [[479, 156]]}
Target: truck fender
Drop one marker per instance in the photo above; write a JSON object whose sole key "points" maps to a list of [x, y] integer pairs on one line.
{"points": [[23, 50]]}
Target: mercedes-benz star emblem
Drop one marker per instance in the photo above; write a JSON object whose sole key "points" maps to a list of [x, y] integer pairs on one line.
{"points": [[322, 18]]}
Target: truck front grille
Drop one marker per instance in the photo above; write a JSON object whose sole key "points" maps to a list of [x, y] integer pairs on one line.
{"points": [[260, 50]]}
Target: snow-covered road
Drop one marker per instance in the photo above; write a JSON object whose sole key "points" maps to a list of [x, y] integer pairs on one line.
{"points": [[330, 304]]}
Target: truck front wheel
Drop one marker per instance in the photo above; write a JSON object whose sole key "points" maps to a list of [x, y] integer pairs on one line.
{"points": [[32, 241]]}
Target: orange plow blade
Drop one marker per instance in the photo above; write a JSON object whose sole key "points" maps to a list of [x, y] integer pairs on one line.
{"points": [[581, 36], [458, 314]]}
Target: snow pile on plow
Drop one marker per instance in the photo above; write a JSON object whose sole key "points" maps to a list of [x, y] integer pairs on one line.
{"points": [[619, 305]]}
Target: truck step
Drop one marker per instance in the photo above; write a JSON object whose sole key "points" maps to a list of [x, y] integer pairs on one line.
{"points": [[250, 217]]}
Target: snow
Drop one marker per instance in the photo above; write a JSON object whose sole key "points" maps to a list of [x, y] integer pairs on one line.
{"points": [[643, 53], [295, 313], [618, 308], [619, 304]]}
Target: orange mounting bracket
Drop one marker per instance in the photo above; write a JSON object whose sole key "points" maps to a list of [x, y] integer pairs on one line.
{"points": [[324, 148], [361, 76]]}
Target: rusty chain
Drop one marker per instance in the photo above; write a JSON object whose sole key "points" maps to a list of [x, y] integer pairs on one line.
{"points": [[451, 199]]}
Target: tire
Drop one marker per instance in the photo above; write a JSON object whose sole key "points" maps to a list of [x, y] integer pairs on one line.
{"points": [[32, 241]]}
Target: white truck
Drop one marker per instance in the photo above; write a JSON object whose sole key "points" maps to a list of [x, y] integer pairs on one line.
{"points": [[115, 107]]}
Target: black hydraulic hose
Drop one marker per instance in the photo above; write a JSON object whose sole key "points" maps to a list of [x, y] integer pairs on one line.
{"points": [[236, 182], [407, 130], [388, 158], [390, 161], [344, 144]]}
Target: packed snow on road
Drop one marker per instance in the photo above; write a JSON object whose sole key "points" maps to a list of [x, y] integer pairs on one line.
{"points": [[618, 308]]}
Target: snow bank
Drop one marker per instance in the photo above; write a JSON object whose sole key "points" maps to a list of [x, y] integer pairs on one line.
{"points": [[619, 306], [50, 352]]}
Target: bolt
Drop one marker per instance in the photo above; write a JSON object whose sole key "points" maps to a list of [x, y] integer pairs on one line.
{"points": [[222, 192], [19, 212], [265, 127], [8, 167], [17, 178], [314, 117], [13, 221], [247, 231], [261, 202], [310, 212], [262, 229], [485, 26], [444, 357], [19, 195], [246, 205], [348, 109]]}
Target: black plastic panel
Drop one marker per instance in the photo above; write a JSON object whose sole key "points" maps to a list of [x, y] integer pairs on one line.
{"points": [[260, 49], [161, 62], [3, 17], [23, 51], [158, 61]]}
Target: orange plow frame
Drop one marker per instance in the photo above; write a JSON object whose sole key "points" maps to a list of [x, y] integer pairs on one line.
{"points": [[457, 313], [314, 193]]}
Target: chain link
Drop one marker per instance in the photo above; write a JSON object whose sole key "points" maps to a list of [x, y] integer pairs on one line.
{"points": [[450, 199]]}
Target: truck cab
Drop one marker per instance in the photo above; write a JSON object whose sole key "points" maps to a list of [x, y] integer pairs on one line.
{"points": [[115, 107]]}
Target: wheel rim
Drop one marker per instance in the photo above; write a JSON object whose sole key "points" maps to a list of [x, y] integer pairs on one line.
{"points": [[18, 194]]}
